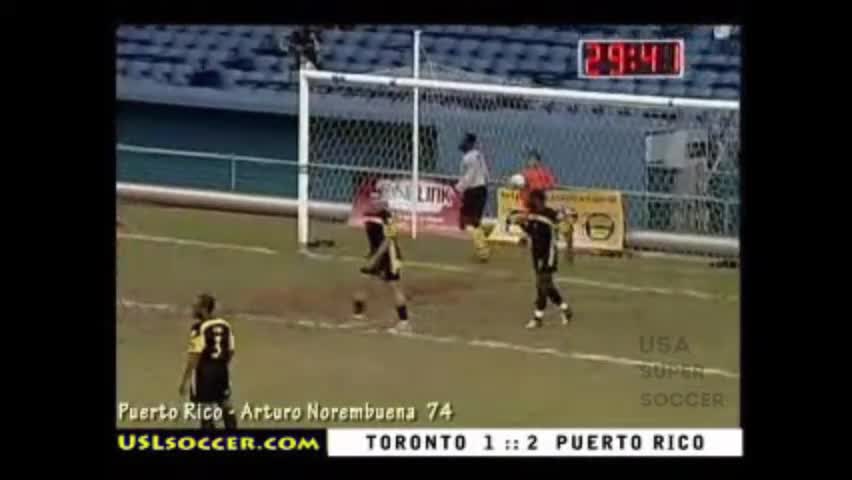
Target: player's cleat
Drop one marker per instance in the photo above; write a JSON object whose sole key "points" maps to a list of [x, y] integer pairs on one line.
{"points": [[534, 323], [359, 317], [567, 315], [403, 326]]}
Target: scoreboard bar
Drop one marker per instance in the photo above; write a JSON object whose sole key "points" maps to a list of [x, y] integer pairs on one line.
{"points": [[511, 442]]}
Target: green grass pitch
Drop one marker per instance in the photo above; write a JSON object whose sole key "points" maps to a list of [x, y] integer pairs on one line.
{"points": [[287, 311]]}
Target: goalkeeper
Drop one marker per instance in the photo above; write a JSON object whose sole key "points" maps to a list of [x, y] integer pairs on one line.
{"points": [[473, 186], [544, 225]]}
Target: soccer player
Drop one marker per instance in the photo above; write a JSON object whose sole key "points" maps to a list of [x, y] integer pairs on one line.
{"points": [[544, 225], [211, 348], [537, 176], [384, 262], [473, 186]]}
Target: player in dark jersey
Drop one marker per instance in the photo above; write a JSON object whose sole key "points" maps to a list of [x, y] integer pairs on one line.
{"points": [[211, 348], [544, 226], [384, 261]]}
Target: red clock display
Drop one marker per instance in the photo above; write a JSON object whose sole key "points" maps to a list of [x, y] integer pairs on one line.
{"points": [[630, 58]]}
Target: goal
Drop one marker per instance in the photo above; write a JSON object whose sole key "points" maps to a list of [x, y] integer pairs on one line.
{"points": [[674, 160]]}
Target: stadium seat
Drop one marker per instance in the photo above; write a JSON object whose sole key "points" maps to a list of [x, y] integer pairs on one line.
{"points": [[503, 67], [217, 57], [481, 65], [390, 58], [674, 90], [649, 88], [624, 86], [538, 51], [121, 66], [164, 38], [161, 72], [726, 93], [196, 58], [138, 69], [568, 38], [468, 46], [264, 63], [515, 50], [699, 91], [376, 40], [184, 40], [445, 45]]}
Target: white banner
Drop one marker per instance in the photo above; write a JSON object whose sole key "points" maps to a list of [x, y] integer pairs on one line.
{"points": [[552, 442]]}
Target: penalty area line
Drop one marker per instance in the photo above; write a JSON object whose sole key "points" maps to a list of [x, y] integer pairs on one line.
{"points": [[475, 343]]}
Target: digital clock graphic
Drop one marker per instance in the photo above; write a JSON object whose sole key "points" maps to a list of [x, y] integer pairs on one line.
{"points": [[630, 58]]}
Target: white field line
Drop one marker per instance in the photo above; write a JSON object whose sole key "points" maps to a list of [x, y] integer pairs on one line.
{"points": [[197, 243], [444, 268], [476, 343]]}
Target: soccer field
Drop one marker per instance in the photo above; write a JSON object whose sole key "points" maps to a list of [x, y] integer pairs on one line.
{"points": [[295, 344]]}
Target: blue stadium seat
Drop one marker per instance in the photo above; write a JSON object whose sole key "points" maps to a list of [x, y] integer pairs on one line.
{"points": [[444, 45], [184, 40], [391, 58], [126, 49], [568, 38], [161, 72], [195, 58], [727, 93], [538, 51], [376, 40], [366, 58], [528, 65], [699, 91], [624, 86], [649, 88], [730, 79], [572, 84], [139, 35], [503, 67], [208, 42], [561, 52], [267, 63], [499, 32], [490, 49], [674, 90], [515, 50], [401, 40], [217, 57], [229, 43], [255, 78], [164, 38], [153, 52], [468, 46], [231, 77], [121, 66], [705, 78], [481, 65], [138, 69], [478, 31]]}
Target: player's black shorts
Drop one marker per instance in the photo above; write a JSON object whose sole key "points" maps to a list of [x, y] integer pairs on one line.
{"points": [[473, 206], [211, 385], [543, 265]]}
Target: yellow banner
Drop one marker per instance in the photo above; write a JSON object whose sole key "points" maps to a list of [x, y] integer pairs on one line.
{"points": [[600, 217]]}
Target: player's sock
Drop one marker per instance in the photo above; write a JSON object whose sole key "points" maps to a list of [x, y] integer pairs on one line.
{"points": [[402, 313], [230, 418]]}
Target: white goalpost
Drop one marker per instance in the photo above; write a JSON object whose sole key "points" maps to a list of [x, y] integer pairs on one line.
{"points": [[675, 160]]}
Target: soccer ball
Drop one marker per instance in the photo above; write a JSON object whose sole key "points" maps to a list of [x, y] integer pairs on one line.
{"points": [[517, 180]]}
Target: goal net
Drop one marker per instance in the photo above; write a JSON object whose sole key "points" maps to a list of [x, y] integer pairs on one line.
{"points": [[675, 161]]}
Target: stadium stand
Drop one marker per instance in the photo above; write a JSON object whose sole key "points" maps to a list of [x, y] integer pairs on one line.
{"points": [[246, 59]]}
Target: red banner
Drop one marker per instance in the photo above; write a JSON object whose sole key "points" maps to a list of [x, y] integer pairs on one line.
{"points": [[438, 205]]}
